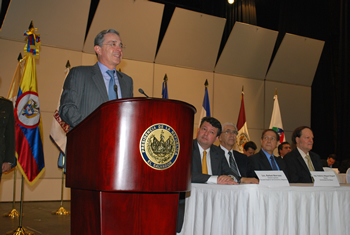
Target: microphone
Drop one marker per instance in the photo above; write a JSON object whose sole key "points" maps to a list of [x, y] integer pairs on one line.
{"points": [[116, 90], [143, 93]]}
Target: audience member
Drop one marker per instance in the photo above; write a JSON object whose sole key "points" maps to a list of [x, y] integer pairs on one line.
{"points": [[249, 148], [283, 149], [330, 162]]}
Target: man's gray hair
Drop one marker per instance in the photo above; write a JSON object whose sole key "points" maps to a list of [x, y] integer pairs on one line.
{"points": [[99, 39], [228, 124]]}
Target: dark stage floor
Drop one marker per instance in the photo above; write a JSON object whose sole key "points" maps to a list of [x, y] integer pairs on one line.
{"points": [[37, 218]]}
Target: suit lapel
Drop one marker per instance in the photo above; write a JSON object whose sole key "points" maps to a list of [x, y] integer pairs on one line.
{"points": [[99, 82], [301, 160], [122, 84], [264, 162], [214, 161]]}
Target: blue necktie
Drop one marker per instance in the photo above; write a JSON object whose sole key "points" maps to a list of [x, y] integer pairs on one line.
{"points": [[112, 95], [273, 164]]}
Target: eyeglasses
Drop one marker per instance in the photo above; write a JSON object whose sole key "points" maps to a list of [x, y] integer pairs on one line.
{"points": [[229, 132], [115, 45], [266, 138]]}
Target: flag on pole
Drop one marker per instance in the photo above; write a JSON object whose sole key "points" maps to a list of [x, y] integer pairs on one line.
{"points": [[13, 91], [276, 120], [205, 106], [165, 88], [28, 126], [12, 94], [243, 135], [59, 129]]}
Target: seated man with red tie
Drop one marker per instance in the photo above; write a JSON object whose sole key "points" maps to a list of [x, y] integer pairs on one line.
{"points": [[300, 161], [209, 164], [265, 160]]}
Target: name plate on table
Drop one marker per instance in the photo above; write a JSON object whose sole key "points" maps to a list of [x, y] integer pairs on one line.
{"points": [[272, 178], [325, 178]]}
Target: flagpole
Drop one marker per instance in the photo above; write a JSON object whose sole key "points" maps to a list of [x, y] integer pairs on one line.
{"points": [[20, 230], [61, 210], [13, 213]]}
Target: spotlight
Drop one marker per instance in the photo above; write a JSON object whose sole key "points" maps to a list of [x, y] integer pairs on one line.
{"points": [[231, 1]]}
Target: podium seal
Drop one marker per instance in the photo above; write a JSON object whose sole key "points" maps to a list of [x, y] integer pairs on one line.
{"points": [[159, 146]]}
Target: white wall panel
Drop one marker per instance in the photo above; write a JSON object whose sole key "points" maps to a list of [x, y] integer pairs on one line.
{"points": [[138, 23], [247, 52], [192, 40], [296, 60], [227, 99], [57, 21]]}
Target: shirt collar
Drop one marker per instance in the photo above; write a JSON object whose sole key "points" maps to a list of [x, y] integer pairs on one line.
{"points": [[103, 67]]}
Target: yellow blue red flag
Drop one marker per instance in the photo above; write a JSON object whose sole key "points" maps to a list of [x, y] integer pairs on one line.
{"points": [[28, 126]]}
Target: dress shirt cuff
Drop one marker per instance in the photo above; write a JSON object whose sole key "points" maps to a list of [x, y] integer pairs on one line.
{"points": [[212, 179]]}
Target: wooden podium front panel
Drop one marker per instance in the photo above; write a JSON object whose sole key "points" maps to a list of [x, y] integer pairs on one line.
{"points": [[95, 213], [103, 152]]}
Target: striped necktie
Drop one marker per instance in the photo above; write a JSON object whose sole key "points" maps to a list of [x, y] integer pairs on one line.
{"points": [[233, 164]]}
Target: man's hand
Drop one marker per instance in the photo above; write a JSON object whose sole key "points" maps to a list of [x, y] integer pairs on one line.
{"points": [[252, 180], [6, 167], [224, 179]]}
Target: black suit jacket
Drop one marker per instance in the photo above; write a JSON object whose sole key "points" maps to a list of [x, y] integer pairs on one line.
{"points": [[7, 132], [298, 172], [261, 163], [245, 167], [219, 165]]}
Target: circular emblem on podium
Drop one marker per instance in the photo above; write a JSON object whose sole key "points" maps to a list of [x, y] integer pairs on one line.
{"points": [[159, 146]]}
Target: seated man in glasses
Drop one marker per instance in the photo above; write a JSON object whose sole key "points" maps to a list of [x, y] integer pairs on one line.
{"points": [[238, 162], [265, 159]]}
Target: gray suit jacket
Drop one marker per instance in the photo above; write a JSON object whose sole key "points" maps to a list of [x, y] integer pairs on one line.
{"points": [[84, 90], [219, 165]]}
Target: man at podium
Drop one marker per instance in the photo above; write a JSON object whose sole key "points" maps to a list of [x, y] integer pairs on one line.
{"points": [[87, 87]]}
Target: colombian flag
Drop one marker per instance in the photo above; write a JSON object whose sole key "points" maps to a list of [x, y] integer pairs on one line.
{"points": [[28, 126]]}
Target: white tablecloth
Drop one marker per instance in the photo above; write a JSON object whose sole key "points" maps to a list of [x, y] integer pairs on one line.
{"points": [[300, 209]]}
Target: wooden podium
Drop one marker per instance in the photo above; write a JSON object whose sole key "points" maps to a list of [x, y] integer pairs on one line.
{"points": [[127, 162]]}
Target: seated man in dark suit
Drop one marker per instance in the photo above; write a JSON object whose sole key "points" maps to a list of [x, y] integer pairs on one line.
{"points": [[264, 159], [300, 161], [238, 162], [209, 164], [283, 149], [249, 148], [330, 162]]}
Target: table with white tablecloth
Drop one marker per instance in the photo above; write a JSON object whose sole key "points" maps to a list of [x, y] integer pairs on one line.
{"points": [[257, 210]]}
